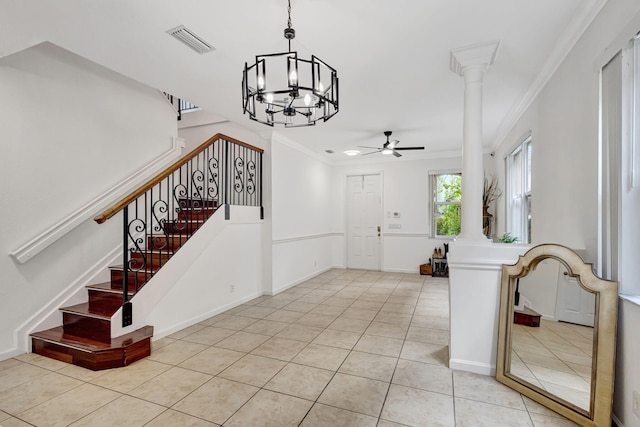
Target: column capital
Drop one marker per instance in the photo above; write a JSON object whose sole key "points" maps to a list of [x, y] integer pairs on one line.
{"points": [[474, 56]]}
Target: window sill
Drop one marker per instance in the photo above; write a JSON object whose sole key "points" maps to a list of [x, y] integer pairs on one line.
{"points": [[634, 299]]}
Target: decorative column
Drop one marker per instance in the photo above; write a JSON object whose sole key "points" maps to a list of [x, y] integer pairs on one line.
{"points": [[471, 62]]}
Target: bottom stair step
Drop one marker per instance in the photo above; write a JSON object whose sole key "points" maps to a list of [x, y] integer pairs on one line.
{"points": [[91, 354]]}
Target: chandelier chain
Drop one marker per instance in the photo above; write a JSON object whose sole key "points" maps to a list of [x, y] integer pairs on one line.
{"points": [[289, 12]]}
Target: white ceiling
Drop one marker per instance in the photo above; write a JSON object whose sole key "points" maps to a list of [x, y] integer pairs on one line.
{"points": [[392, 57]]}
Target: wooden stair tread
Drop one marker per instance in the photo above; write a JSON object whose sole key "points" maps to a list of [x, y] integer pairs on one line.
{"points": [[106, 287], [83, 310], [528, 312], [57, 335]]}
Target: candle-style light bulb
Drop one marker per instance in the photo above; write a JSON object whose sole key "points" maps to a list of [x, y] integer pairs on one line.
{"points": [[269, 98], [307, 100], [260, 82]]}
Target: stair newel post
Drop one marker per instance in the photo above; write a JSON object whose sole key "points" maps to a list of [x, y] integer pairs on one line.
{"points": [[127, 309], [260, 185], [227, 173]]}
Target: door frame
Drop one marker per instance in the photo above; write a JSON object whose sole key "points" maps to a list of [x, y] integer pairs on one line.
{"points": [[345, 217]]}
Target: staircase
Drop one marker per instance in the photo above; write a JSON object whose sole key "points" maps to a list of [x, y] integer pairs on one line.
{"points": [[84, 339], [158, 218]]}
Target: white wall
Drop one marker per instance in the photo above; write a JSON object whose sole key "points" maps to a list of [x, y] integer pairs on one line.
{"points": [[71, 130], [405, 189], [563, 120], [303, 206]]}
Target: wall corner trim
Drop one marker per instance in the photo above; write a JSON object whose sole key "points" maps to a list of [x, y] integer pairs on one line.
{"points": [[47, 237]]}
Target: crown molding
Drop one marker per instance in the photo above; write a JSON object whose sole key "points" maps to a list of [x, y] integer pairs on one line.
{"points": [[555, 59]]}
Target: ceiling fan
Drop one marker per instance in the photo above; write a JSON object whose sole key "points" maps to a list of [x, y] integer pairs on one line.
{"points": [[390, 147]]}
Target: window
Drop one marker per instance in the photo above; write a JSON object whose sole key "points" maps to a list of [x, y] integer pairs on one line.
{"points": [[446, 192], [519, 192]]}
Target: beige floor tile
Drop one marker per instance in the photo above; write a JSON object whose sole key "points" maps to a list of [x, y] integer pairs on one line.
{"points": [[176, 352], [312, 299], [415, 407], [301, 381], [349, 325], [171, 386], [259, 300], [379, 345], [125, 410], [339, 302], [370, 295], [486, 389], [357, 394], [273, 303], [321, 356], [430, 322], [19, 373], [4, 416], [155, 345], [546, 362], [393, 318], [428, 335], [424, 376], [10, 363], [548, 421], [242, 341], [322, 416], [80, 373], [300, 332], [208, 335], [329, 310], [266, 327], [256, 312], [212, 361], [235, 322], [387, 330], [127, 378], [399, 299], [316, 320], [14, 422], [359, 313], [284, 316], [280, 348], [41, 361], [216, 400], [471, 413], [385, 423], [367, 365], [334, 338], [393, 307], [270, 409], [32, 393], [302, 307], [368, 305], [215, 319], [69, 407], [253, 370], [426, 353], [186, 331], [577, 397], [568, 380], [171, 418]]}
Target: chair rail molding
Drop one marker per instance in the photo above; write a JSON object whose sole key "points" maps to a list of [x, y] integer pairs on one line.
{"points": [[47, 237]]}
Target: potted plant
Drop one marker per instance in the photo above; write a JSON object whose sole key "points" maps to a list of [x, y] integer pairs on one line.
{"points": [[490, 193], [507, 238]]}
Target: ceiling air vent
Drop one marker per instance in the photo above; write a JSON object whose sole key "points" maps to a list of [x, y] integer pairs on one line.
{"points": [[329, 151], [189, 38]]}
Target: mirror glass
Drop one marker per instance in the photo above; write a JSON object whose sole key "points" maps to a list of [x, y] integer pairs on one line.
{"points": [[553, 333]]}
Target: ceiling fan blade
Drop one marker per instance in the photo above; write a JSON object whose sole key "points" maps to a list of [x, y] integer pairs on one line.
{"points": [[364, 146], [395, 153], [409, 148], [373, 152]]}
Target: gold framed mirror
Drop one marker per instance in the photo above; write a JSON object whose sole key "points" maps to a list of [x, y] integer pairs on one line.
{"points": [[557, 332]]}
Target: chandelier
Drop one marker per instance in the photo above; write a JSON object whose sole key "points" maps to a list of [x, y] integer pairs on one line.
{"points": [[280, 88]]}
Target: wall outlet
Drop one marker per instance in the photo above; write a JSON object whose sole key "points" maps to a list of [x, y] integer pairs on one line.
{"points": [[232, 288], [636, 403]]}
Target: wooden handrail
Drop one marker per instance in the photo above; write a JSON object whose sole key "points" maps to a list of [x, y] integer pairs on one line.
{"points": [[126, 201]]}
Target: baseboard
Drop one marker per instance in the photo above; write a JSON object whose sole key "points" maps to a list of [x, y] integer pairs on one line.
{"points": [[616, 421], [204, 316], [8, 354], [41, 319], [401, 270], [298, 281], [475, 367]]}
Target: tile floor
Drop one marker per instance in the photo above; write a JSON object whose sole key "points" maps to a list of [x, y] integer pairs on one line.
{"points": [[556, 357], [346, 348]]}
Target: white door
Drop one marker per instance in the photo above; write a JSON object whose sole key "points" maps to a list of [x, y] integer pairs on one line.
{"points": [[364, 216], [574, 304]]}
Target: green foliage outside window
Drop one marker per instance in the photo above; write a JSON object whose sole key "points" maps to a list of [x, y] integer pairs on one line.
{"points": [[448, 196]]}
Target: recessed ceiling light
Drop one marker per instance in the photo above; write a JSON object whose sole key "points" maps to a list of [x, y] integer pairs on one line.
{"points": [[352, 152]]}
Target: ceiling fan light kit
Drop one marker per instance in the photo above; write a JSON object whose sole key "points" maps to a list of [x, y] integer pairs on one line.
{"points": [[390, 147], [280, 88]]}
